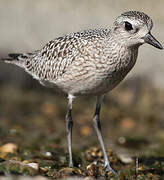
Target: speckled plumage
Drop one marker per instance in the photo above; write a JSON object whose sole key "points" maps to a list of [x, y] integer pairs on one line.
{"points": [[86, 62], [90, 62]]}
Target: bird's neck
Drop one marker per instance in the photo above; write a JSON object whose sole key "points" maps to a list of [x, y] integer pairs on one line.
{"points": [[122, 56], [124, 42]]}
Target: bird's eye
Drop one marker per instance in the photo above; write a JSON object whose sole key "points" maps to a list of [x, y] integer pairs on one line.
{"points": [[128, 26]]}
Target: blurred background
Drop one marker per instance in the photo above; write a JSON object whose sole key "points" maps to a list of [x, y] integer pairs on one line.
{"points": [[132, 114]]}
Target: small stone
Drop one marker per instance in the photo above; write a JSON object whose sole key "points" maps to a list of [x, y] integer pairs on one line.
{"points": [[125, 158], [140, 168], [100, 154], [26, 161], [101, 170], [19, 167], [67, 172], [33, 165], [108, 174], [52, 173], [93, 154], [44, 170], [48, 154], [150, 175], [92, 170], [9, 148]]}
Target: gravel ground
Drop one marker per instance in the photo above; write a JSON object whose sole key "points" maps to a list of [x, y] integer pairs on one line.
{"points": [[33, 137]]}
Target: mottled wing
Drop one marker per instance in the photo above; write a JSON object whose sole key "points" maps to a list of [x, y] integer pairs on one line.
{"points": [[53, 59]]}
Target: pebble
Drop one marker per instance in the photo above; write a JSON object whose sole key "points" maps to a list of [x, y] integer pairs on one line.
{"points": [[48, 154], [67, 172], [9, 148], [125, 158], [20, 167], [92, 169], [33, 165]]}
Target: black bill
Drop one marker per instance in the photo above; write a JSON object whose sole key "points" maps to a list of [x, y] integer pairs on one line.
{"points": [[151, 40]]}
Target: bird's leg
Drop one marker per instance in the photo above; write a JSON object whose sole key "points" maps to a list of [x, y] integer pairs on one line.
{"points": [[69, 125], [97, 127]]}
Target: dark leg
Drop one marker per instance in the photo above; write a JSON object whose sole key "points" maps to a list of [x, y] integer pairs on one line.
{"points": [[97, 127], [69, 125]]}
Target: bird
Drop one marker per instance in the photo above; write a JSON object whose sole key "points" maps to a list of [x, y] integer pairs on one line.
{"points": [[89, 63]]}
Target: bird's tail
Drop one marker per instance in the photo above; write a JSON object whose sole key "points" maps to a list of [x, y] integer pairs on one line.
{"points": [[17, 59]]}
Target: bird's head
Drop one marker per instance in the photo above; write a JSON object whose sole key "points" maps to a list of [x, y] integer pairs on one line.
{"points": [[133, 28]]}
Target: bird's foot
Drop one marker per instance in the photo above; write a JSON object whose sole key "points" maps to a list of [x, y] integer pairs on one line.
{"points": [[71, 164], [108, 168]]}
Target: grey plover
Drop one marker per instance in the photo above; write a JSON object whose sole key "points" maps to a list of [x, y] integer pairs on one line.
{"points": [[89, 62]]}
